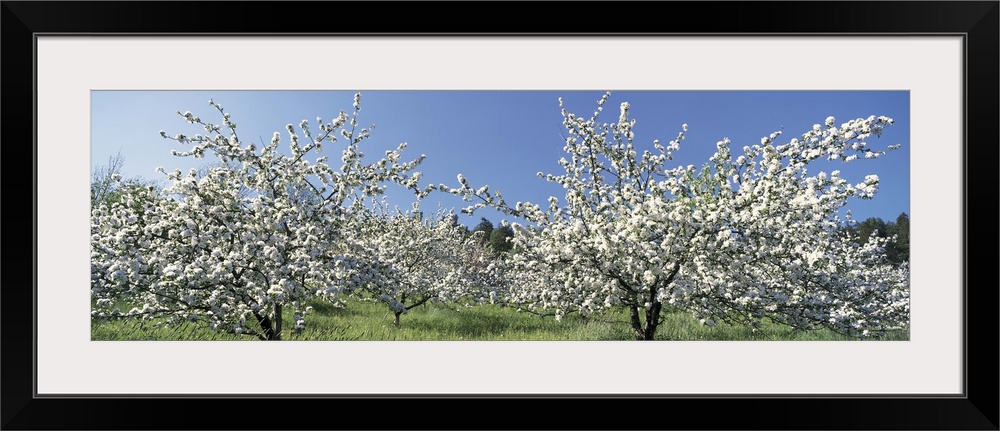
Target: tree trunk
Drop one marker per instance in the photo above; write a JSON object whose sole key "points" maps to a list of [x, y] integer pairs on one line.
{"points": [[647, 332], [652, 320], [268, 331], [277, 320], [395, 318], [655, 308], [637, 329]]}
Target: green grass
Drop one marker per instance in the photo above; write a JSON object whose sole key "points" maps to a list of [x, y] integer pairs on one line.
{"points": [[361, 320]]}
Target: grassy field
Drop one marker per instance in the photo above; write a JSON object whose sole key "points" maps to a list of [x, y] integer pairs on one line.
{"points": [[359, 320]]}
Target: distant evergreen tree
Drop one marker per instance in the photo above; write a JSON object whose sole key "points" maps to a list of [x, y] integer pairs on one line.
{"points": [[897, 251], [871, 226], [499, 239], [486, 227]]}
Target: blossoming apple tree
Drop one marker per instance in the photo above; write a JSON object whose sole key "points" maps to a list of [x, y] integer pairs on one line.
{"points": [[258, 233], [423, 258], [741, 238]]}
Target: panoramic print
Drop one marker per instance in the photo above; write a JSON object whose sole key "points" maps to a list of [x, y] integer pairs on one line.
{"points": [[500, 215]]}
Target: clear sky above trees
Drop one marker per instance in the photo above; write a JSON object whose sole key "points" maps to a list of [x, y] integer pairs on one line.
{"points": [[504, 138]]}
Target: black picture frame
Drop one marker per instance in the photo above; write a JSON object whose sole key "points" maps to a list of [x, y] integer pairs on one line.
{"points": [[976, 21]]}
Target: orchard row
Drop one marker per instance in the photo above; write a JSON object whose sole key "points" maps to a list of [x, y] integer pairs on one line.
{"points": [[746, 236]]}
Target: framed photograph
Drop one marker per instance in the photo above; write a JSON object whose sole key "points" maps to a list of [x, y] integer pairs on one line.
{"points": [[93, 70]]}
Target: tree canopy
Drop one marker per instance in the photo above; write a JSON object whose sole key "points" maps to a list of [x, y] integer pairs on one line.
{"points": [[744, 237], [261, 231]]}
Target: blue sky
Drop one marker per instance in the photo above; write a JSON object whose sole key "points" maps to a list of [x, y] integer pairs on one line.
{"points": [[503, 138]]}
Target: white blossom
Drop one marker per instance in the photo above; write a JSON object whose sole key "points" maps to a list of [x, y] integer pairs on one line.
{"points": [[646, 234], [234, 246]]}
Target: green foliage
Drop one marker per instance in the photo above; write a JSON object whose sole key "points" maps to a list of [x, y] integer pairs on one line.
{"points": [[499, 239], [897, 251], [486, 227]]}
